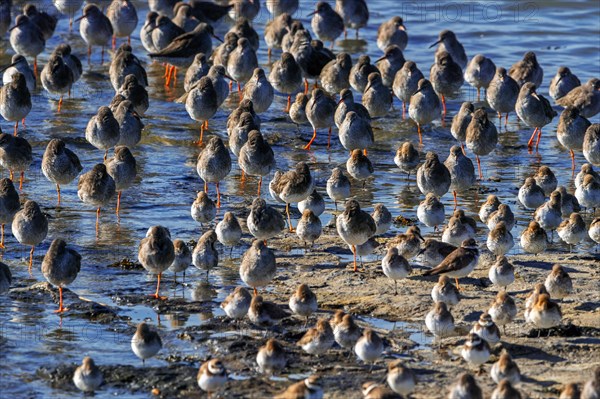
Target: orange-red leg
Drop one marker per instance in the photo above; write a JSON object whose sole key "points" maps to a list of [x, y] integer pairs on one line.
{"points": [[354, 253], [35, 67], [287, 211], [289, 103], [31, 260], [572, 162], [156, 294], [530, 142], [58, 192], [218, 196], [21, 181], [307, 147], [479, 167], [419, 131], [329, 138], [97, 221], [403, 110], [118, 202], [61, 308], [89, 55], [305, 86], [443, 106], [539, 138], [16, 128], [2, 239], [114, 43], [259, 186], [455, 199], [60, 101], [462, 147]]}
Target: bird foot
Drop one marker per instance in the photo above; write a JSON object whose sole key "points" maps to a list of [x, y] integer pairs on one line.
{"points": [[158, 297], [61, 310]]}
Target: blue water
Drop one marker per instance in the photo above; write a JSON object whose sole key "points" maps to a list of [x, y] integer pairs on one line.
{"points": [[560, 32]]}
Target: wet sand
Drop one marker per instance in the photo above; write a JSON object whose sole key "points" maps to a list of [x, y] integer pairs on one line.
{"points": [[565, 354]]}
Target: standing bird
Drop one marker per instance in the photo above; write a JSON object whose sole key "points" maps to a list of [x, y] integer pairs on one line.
{"points": [[242, 62], [433, 176], [303, 302], [359, 166], [406, 83], [26, 39], [591, 144], [572, 230], [355, 133], [360, 72], [309, 227], [197, 70], [214, 164], [320, 111], [369, 347], [355, 14], [201, 103], [293, 186], [503, 310], [30, 227], [460, 122], [562, 83], [96, 188], [446, 76], [480, 72], [69, 8], [530, 194], [460, 263], [319, 339], [347, 104], [264, 222], [313, 202], [545, 178], [395, 266], [392, 32], [588, 193], [145, 343], [545, 314], [431, 211], [502, 94], [212, 375], [45, 22], [15, 155], [19, 64], [236, 304], [448, 42], [307, 388], [135, 92], [181, 50], [527, 70], [130, 124], [377, 98], [286, 77], [15, 100], [500, 240], [462, 172], [9, 205], [585, 97], [558, 283], [229, 231], [439, 321], [122, 168], [389, 64], [103, 130], [259, 90], [57, 77], [335, 76], [400, 378], [534, 239], [407, 158], [424, 106], [338, 186], [183, 258], [256, 157], [465, 387], [126, 63], [205, 255], [326, 23], [570, 131], [87, 377], [482, 136], [258, 266], [60, 267], [271, 357], [156, 253], [95, 29], [60, 165], [535, 110], [123, 18], [355, 226], [275, 30], [146, 32]]}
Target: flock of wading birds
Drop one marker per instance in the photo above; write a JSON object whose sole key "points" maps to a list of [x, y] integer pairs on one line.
{"points": [[180, 35]]}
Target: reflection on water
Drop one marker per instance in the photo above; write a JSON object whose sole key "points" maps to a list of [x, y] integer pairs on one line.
{"points": [[167, 179]]}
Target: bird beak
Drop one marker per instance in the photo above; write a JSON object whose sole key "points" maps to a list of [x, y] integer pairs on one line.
{"points": [[311, 14], [559, 79], [230, 78], [421, 251], [16, 26], [341, 101], [402, 27], [418, 91], [381, 59], [218, 38], [84, 16], [535, 95], [8, 66], [420, 237], [367, 87], [434, 43]]}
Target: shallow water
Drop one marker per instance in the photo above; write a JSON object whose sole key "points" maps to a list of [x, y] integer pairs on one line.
{"points": [[30, 334]]}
